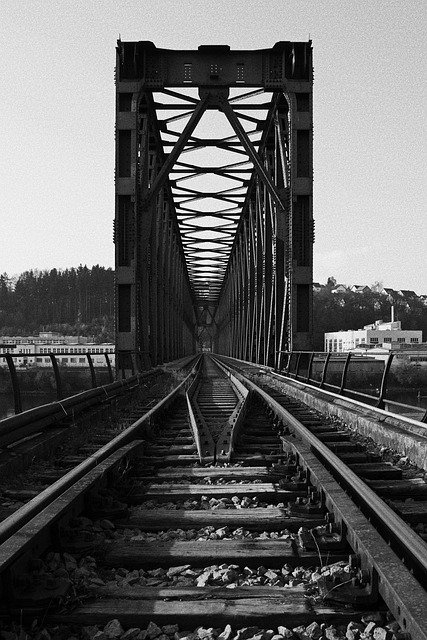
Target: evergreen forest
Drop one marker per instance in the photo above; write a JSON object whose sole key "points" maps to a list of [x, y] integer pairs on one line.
{"points": [[71, 301]]}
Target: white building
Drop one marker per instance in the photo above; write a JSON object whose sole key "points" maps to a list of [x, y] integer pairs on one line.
{"points": [[372, 335], [70, 351]]}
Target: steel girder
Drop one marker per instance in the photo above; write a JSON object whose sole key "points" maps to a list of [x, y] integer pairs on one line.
{"points": [[226, 262], [154, 303]]}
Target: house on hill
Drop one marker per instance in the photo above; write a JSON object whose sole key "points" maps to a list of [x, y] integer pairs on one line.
{"points": [[391, 293], [360, 288], [406, 293], [339, 288]]}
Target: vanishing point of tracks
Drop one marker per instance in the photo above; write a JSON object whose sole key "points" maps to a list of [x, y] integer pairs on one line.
{"points": [[219, 514]]}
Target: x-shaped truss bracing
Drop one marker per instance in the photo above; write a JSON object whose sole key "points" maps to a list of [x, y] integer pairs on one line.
{"points": [[214, 224]]}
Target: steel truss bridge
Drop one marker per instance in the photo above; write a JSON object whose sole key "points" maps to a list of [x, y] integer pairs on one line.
{"points": [[214, 217]]}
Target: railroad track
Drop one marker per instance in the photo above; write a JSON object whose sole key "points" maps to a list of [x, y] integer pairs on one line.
{"points": [[245, 535], [402, 487], [33, 457]]}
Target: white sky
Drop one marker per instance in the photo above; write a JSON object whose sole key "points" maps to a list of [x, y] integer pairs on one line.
{"points": [[57, 123]]}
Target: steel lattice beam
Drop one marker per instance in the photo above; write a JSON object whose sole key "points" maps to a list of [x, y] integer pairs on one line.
{"points": [[227, 260]]}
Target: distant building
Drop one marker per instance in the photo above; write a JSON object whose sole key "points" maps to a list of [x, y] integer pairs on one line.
{"points": [[406, 293], [339, 288], [46, 337], [414, 354], [372, 335], [70, 351], [390, 293], [360, 288]]}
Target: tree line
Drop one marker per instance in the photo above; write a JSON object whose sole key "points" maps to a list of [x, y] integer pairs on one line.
{"points": [[81, 301], [71, 301]]}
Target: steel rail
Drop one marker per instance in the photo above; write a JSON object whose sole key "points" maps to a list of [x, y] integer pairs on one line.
{"points": [[22, 516], [343, 400], [403, 595], [396, 528], [39, 418], [33, 532], [355, 402], [202, 436], [15, 427], [231, 430]]}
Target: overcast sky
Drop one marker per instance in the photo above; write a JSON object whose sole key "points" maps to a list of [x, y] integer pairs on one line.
{"points": [[57, 124]]}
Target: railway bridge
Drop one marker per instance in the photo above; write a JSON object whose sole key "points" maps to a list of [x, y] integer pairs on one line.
{"points": [[214, 222], [233, 489]]}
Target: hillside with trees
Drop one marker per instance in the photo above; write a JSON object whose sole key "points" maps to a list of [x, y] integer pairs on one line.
{"points": [[72, 301], [339, 311]]}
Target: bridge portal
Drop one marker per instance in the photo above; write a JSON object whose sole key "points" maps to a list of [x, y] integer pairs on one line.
{"points": [[214, 217]]}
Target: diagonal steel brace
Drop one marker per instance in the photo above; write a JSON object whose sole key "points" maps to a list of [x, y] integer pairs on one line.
{"points": [[228, 111], [178, 147]]}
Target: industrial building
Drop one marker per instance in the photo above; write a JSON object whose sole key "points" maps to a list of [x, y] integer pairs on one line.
{"points": [[372, 335]]}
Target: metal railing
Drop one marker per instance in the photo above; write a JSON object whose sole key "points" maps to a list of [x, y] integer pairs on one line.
{"points": [[57, 371], [316, 367]]}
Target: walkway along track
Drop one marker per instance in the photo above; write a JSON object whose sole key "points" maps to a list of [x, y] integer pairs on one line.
{"points": [[169, 537]]}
